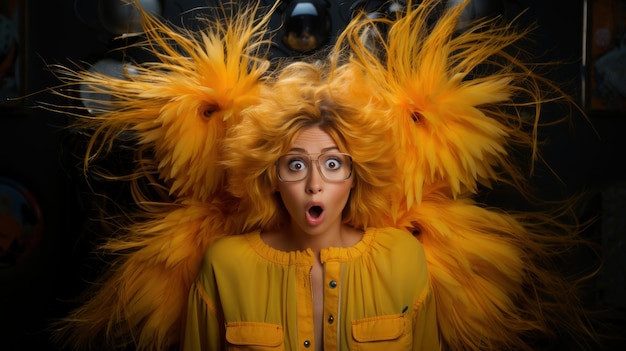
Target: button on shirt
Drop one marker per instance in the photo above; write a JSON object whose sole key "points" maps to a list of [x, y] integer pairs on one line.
{"points": [[376, 296]]}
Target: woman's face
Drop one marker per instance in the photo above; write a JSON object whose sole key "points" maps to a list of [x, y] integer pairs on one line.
{"points": [[315, 203]]}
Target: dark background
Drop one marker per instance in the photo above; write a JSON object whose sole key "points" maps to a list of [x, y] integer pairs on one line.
{"points": [[37, 152]]}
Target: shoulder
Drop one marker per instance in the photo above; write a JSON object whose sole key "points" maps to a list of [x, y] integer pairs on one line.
{"points": [[399, 257], [229, 241], [398, 243], [226, 249], [395, 237]]}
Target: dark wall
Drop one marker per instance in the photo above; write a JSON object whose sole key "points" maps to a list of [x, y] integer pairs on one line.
{"points": [[35, 150], [31, 152]]}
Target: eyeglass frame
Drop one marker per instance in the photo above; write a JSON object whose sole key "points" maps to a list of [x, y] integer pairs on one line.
{"points": [[317, 164]]}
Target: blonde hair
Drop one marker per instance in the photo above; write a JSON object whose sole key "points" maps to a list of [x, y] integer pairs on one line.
{"points": [[302, 96], [429, 115], [462, 105]]}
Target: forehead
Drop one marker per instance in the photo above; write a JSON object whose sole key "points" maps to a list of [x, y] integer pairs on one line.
{"points": [[313, 140]]}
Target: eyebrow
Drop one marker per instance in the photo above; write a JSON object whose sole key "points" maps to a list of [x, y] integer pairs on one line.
{"points": [[326, 149]]}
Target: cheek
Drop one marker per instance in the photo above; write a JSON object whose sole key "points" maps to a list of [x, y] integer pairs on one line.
{"points": [[342, 193], [287, 193]]}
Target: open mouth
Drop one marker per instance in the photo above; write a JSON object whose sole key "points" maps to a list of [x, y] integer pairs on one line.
{"points": [[315, 211]]}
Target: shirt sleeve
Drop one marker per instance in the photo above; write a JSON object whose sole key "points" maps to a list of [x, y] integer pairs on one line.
{"points": [[204, 327], [425, 328]]}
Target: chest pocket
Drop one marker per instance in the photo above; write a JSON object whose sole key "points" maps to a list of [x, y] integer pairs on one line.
{"points": [[388, 333], [253, 336]]}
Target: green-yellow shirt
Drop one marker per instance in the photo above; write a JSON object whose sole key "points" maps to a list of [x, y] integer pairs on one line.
{"points": [[250, 296]]}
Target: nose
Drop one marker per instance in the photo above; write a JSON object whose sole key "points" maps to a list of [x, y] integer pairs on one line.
{"points": [[314, 181]]}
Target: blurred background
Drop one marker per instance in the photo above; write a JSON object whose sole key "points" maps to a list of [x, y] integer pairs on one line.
{"points": [[45, 244]]}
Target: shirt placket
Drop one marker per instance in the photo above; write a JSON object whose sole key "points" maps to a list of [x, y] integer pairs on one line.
{"points": [[304, 307], [332, 288]]}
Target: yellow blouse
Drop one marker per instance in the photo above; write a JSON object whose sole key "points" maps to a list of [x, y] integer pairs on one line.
{"points": [[250, 296]]}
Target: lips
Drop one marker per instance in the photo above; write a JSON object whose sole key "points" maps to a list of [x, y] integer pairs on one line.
{"points": [[314, 213]]}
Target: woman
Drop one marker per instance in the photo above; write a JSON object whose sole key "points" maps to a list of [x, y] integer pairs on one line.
{"points": [[312, 273], [329, 170]]}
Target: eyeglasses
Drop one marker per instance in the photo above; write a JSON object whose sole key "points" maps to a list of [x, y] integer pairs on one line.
{"points": [[333, 166]]}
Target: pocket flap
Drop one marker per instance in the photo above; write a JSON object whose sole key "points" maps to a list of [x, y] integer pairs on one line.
{"points": [[378, 328], [253, 333]]}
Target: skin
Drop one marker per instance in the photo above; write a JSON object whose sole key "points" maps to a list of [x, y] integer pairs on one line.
{"points": [[304, 232]]}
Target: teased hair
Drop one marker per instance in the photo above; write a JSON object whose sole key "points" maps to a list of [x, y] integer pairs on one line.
{"points": [[302, 97], [460, 102], [172, 113], [176, 107], [428, 114]]}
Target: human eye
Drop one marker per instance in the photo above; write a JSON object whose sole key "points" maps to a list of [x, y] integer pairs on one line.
{"points": [[296, 164], [333, 162]]}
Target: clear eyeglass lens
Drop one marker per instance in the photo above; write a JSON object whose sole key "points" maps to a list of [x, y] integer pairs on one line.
{"points": [[333, 166]]}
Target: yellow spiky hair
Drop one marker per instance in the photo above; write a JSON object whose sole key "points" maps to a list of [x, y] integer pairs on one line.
{"points": [[446, 93], [425, 128], [180, 105], [176, 110], [493, 271], [453, 99]]}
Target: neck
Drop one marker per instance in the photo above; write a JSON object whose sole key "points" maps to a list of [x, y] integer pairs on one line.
{"points": [[293, 238], [340, 235], [301, 240]]}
